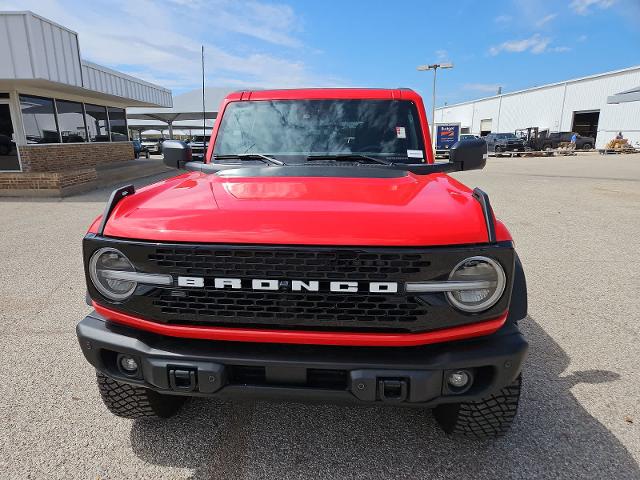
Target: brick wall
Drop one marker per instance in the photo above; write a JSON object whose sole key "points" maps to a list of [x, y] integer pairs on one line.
{"points": [[64, 156], [54, 182]]}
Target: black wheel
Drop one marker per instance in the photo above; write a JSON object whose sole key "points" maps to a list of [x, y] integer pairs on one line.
{"points": [[129, 401], [497, 149], [587, 146], [547, 146], [146, 154], [490, 417]]}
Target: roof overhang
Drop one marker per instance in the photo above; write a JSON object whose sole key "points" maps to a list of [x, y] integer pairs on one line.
{"points": [[632, 95], [171, 115], [67, 92]]}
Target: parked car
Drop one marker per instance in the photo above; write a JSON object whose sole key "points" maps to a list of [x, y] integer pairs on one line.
{"points": [[199, 144], [504, 142], [153, 145], [139, 149], [553, 140], [319, 254]]}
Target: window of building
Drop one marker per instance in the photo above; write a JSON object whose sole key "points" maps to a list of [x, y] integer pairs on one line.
{"points": [[71, 121], [118, 124], [97, 123], [39, 119]]}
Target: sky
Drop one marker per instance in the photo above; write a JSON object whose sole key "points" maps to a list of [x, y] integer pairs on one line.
{"points": [[513, 44]]}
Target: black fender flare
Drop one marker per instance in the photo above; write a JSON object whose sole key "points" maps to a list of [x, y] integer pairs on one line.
{"points": [[518, 306]]}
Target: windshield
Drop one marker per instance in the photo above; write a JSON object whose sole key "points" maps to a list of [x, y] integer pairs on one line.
{"points": [[321, 127], [505, 136]]}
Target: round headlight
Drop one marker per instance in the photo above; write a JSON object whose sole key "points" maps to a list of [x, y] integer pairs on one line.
{"points": [[104, 269], [485, 281]]}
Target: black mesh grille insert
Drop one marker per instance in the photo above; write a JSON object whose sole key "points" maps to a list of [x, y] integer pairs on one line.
{"points": [[300, 264], [296, 309]]}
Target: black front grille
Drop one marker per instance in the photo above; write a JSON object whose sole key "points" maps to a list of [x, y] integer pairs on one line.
{"points": [[291, 309], [297, 310], [292, 264]]}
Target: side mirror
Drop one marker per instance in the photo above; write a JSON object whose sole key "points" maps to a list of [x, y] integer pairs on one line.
{"points": [[176, 153], [469, 154]]}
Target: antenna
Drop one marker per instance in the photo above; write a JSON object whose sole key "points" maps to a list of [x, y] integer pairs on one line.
{"points": [[204, 123]]}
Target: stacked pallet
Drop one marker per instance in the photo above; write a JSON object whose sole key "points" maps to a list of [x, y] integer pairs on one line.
{"points": [[618, 145]]}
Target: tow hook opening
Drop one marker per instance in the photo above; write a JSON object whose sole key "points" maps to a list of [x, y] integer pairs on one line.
{"points": [[393, 389], [182, 380]]}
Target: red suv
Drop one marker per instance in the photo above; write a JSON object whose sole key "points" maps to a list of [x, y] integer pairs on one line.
{"points": [[318, 253]]}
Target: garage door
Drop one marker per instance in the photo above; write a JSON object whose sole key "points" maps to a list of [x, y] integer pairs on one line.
{"points": [[485, 126]]}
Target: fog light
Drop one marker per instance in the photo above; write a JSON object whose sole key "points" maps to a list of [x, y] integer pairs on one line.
{"points": [[458, 379], [128, 364]]}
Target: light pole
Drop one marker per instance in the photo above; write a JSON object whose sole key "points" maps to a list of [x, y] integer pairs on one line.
{"points": [[434, 67]]}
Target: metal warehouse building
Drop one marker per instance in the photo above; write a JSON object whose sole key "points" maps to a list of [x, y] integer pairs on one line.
{"points": [[63, 121], [599, 106]]}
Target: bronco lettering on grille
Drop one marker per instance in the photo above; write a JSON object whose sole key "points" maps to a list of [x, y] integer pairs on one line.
{"points": [[291, 285]]}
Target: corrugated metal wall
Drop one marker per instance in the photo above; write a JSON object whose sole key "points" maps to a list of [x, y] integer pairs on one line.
{"points": [[32, 47], [553, 107], [102, 79]]}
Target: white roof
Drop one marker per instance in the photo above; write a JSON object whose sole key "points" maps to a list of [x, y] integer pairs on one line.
{"points": [[555, 84], [186, 106]]}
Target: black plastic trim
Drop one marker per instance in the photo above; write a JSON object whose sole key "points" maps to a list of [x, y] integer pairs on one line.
{"points": [[499, 355], [313, 171], [440, 314], [489, 219], [518, 305], [115, 197]]}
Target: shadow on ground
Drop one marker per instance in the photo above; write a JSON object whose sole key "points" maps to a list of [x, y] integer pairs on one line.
{"points": [[554, 436]]}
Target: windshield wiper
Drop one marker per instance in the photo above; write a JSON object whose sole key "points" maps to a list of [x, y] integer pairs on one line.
{"points": [[249, 156], [348, 156]]}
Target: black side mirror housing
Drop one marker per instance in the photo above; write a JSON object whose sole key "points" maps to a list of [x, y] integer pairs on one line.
{"points": [[176, 153], [470, 154]]}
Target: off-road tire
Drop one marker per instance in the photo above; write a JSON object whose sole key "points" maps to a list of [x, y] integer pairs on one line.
{"points": [[488, 418], [129, 401]]}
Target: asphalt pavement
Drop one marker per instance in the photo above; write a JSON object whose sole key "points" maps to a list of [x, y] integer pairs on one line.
{"points": [[576, 223]]}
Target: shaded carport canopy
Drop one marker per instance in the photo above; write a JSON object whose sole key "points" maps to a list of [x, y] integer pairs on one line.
{"points": [[186, 106], [632, 95], [179, 128]]}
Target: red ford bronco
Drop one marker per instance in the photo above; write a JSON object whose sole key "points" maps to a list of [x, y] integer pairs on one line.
{"points": [[317, 253]]}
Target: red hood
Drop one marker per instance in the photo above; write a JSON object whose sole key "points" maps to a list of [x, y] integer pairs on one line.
{"points": [[406, 211]]}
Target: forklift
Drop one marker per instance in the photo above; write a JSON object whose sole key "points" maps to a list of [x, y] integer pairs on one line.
{"points": [[532, 136]]}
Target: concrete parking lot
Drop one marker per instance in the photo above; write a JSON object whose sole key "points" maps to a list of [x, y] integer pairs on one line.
{"points": [[576, 222]]}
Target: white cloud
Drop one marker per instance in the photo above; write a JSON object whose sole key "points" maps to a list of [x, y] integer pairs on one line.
{"points": [[583, 7], [273, 23], [482, 87], [535, 44], [561, 49], [254, 42], [442, 55], [546, 19], [583, 38], [503, 19]]}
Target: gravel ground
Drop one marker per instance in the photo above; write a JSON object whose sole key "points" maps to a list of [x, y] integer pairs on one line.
{"points": [[576, 222]]}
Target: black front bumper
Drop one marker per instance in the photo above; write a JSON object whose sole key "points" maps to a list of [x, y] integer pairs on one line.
{"points": [[411, 376]]}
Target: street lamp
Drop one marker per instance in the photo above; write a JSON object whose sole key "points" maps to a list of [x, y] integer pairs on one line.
{"points": [[434, 67]]}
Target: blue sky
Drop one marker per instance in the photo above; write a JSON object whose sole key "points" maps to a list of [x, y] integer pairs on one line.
{"points": [[510, 43]]}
